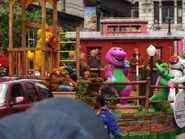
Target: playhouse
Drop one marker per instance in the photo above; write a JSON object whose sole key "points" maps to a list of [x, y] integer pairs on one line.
{"points": [[129, 34]]}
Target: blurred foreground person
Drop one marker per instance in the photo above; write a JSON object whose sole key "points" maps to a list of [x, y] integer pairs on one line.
{"points": [[56, 118], [107, 117]]}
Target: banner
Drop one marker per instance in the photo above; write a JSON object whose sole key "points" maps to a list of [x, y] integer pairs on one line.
{"points": [[90, 18]]}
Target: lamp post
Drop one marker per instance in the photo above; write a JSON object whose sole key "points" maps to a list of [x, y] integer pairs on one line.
{"points": [[98, 14], [151, 52], [169, 19]]}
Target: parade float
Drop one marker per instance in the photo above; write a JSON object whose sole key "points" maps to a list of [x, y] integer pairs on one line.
{"points": [[146, 121], [156, 119]]}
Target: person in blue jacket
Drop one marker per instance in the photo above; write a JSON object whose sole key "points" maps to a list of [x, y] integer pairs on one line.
{"points": [[107, 117]]}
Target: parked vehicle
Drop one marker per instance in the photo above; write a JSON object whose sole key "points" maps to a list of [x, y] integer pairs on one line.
{"points": [[16, 95]]}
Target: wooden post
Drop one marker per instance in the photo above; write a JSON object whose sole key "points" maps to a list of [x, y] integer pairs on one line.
{"points": [[147, 95], [78, 52], [24, 28], [56, 57], [10, 55], [43, 3]]}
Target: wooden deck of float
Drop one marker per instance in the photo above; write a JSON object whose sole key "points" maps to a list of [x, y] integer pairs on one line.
{"points": [[118, 107]]}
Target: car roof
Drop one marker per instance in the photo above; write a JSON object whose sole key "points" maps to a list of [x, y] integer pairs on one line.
{"points": [[18, 79]]}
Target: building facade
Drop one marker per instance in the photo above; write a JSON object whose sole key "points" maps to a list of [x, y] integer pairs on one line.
{"points": [[70, 13], [160, 13]]}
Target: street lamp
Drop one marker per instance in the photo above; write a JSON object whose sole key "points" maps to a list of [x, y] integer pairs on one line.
{"points": [[98, 14], [151, 52], [169, 20]]}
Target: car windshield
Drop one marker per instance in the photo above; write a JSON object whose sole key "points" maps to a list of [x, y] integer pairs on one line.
{"points": [[3, 88]]}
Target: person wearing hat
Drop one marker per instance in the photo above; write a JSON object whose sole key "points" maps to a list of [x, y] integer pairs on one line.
{"points": [[54, 118], [60, 80], [137, 60]]}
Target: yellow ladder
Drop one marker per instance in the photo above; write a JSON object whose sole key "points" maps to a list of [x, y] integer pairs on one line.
{"points": [[70, 45]]}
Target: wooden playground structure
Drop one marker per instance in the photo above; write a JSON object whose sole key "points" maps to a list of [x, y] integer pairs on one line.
{"points": [[18, 62]]}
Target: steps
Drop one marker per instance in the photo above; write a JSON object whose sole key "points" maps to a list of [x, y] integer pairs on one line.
{"points": [[64, 94]]}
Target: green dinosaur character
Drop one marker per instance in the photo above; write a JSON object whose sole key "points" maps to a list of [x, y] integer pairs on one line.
{"points": [[162, 93]]}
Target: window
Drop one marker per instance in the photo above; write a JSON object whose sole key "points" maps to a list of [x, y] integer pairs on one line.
{"points": [[167, 11], [44, 90], [135, 10], [32, 94], [179, 12], [156, 12], [124, 28], [136, 28], [113, 28], [16, 92], [4, 92]]}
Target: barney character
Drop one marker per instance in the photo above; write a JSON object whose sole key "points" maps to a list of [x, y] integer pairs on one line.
{"points": [[118, 70], [163, 80], [177, 68], [36, 56]]}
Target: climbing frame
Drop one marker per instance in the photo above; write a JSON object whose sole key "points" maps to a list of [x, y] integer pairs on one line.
{"points": [[18, 61]]}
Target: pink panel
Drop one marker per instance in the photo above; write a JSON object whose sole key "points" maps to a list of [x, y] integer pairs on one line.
{"points": [[179, 47]]}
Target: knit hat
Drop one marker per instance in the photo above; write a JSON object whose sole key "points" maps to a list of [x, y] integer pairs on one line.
{"points": [[136, 49], [56, 118]]}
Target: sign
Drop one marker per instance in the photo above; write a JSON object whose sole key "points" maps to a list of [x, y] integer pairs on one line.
{"points": [[179, 109], [90, 18]]}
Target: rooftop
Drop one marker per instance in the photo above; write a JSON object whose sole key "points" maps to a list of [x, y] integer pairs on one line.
{"points": [[176, 35]]}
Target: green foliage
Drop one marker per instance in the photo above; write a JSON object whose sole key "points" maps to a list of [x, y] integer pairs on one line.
{"points": [[33, 15], [81, 91], [163, 106], [87, 90]]}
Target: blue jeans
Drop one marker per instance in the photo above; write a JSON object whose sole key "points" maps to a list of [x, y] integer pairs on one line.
{"points": [[65, 88]]}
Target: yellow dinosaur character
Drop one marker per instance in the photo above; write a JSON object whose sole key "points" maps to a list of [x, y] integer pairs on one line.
{"points": [[36, 56]]}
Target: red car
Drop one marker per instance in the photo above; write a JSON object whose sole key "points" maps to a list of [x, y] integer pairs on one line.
{"points": [[19, 94]]}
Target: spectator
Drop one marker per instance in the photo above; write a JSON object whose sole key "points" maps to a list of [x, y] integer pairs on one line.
{"points": [[107, 117], [137, 60], [55, 118], [156, 59], [71, 56], [83, 64], [61, 81], [94, 61]]}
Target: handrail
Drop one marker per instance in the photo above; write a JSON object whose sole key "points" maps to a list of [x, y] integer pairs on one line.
{"points": [[146, 97]]}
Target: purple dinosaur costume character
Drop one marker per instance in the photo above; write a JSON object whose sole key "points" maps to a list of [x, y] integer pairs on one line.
{"points": [[117, 70]]}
